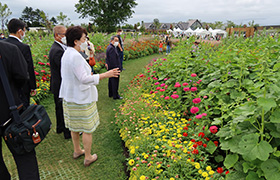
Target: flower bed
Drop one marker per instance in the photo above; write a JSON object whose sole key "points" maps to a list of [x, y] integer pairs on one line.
{"points": [[209, 114], [40, 47]]}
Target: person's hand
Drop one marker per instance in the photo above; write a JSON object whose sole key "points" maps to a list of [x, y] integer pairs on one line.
{"points": [[106, 65], [114, 72], [33, 92]]}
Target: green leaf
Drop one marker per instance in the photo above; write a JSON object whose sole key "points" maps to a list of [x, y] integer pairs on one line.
{"points": [[235, 175], [277, 153], [276, 66], [271, 169], [248, 166], [275, 116], [230, 160], [266, 103], [214, 84], [230, 144], [253, 176], [219, 158], [251, 149], [211, 147], [247, 109]]}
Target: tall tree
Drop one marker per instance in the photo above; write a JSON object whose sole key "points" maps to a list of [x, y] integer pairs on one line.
{"points": [[62, 19], [156, 24], [32, 17], [53, 20], [230, 24], [46, 22], [106, 14], [4, 14]]}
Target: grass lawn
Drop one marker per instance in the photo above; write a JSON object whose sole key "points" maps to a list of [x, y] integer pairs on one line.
{"points": [[55, 153]]}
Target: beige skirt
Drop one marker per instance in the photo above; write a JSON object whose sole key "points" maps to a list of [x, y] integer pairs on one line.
{"points": [[81, 117]]}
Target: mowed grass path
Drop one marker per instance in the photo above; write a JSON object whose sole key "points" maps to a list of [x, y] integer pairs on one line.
{"points": [[54, 154]]}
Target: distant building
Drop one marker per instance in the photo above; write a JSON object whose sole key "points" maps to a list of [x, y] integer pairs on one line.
{"points": [[193, 24], [37, 29]]}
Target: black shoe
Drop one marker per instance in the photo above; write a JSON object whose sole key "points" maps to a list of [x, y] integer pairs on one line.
{"points": [[67, 134], [59, 131], [118, 98]]}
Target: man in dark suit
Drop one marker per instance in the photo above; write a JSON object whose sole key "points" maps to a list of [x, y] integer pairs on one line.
{"points": [[55, 54], [113, 61], [17, 32], [16, 71]]}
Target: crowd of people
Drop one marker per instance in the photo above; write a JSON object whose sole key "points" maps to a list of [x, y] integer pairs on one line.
{"points": [[73, 85]]}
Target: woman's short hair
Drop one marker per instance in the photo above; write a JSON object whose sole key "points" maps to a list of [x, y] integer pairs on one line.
{"points": [[74, 33]]}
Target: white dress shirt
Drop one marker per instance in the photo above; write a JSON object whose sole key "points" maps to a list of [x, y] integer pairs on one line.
{"points": [[77, 85]]}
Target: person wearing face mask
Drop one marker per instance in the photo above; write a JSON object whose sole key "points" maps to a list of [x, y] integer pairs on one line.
{"points": [[17, 32], [79, 93], [113, 61], [2, 36], [120, 47], [57, 49]]}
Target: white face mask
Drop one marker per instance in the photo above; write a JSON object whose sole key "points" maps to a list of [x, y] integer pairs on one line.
{"points": [[116, 44], [83, 46], [63, 40]]}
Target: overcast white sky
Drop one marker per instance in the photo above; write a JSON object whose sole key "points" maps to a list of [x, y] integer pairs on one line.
{"points": [[263, 12]]}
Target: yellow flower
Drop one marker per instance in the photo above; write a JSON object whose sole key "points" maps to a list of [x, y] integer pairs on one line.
{"points": [[146, 156], [204, 174], [200, 171], [132, 151], [172, 179], [158, 166], [207, 178], [197, 165], [156, 146], [142, 177], [131, 162], [211, 172], [208, 168]]}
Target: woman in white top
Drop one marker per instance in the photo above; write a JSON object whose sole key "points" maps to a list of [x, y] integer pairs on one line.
{"points": [[79, 93]]}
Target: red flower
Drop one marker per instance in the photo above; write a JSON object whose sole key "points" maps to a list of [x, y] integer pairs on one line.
{"points": [[213, 129], [195, 145], [199, 143], [186, 89], [174, 96], [216, 143], [193, 75], [193, 140], [205, 145], [196, 100], [141, 75], [193, 89], [185, 84], [195, 151], [194, 110], [201, 134], [185, 134], [185, 128], [227, 172], [220, 170]]}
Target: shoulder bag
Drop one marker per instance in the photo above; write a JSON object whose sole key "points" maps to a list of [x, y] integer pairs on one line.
{"points": [[27, 130]]}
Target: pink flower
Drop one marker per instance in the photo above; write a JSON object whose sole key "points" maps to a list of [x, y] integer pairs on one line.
{"points": [[161, 90], [205, 97], [213, 129], [162, 85], [185, 84], [174, 92], [167, 97], [36, 73], [165, 79], [43, 71], [156, 92], [204, 114], [155, 78], [198, 116], [158, 88], [177, 84], [175, 96], [162, 96], [151, 92], [149, 78], [196, 100], [200, 80], [141, 75], [193, 89], [157, 83], [194, 110], [193, 75], [186, 89], [154, 71], [134, 168]]}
